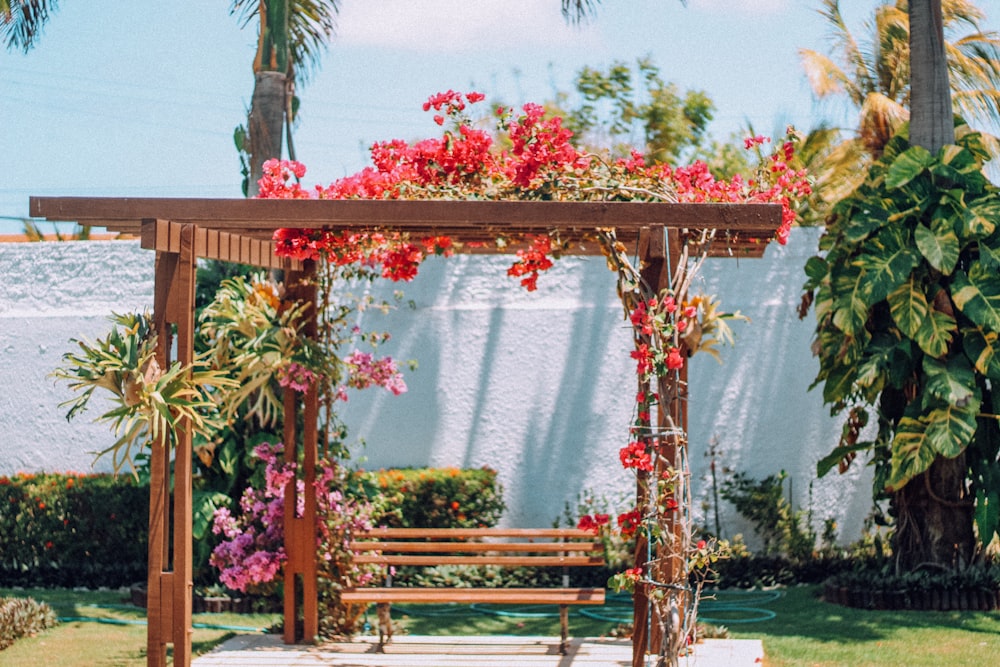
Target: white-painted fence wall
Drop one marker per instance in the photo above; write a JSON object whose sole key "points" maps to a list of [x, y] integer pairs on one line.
{"points": [[538, 386]]}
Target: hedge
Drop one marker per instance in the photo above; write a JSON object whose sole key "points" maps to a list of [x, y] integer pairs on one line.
{"points": [[436, 497], [91, 530], [72, 530]]}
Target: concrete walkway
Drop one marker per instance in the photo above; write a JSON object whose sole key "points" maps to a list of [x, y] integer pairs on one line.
{"points": [[423, 651]]}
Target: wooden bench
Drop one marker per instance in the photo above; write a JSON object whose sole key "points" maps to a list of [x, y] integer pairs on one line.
{"points": [[506, 547]]}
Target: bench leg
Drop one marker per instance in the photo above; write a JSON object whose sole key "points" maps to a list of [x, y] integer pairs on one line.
{"points": [[383, 610], [563, 629]]}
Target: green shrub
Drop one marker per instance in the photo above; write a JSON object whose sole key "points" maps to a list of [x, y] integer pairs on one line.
{"points": [[23, 617], [436, 497], [72, 530]]}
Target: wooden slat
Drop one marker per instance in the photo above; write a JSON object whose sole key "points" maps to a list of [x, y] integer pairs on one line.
{"points": [[476, 547], [244, 214], [481, 595], [463, 533], [506, 561]]}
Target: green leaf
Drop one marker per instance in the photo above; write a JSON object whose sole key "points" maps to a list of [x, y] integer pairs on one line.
{"points": [[950, 428], [935, 333], [908, 306], [938, 245], [839, 383], [983, 350], [977, 295], [912, 453], [887, 261], [817, 269], [850, 306], [827, 463], [907, 166], [988, 257], [952, 382], [979, 218], [987, 513]]}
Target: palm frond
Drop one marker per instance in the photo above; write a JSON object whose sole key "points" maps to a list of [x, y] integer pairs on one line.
{"points": [[21, 21]]}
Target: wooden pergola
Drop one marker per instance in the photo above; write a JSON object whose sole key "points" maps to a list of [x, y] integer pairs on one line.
{"points": [[181, 231]]}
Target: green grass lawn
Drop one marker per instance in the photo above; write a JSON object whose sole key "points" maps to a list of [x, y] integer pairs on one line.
{"points": [[114, 634], [797, 628]]}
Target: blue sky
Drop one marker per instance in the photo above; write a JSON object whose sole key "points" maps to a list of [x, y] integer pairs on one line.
{"points": [[140, 98]]}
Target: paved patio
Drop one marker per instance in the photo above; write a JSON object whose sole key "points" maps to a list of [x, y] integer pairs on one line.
{"points": [[423, 651]]}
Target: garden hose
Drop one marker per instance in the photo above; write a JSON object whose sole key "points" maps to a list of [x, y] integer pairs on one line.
{"points": [[728, 607], [126, 621]]}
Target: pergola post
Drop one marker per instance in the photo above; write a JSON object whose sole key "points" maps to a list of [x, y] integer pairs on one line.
{"points": [[169, 583], [300, 531], [660, 251]]}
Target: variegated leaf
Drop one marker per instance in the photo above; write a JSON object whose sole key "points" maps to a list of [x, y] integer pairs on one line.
{"points": [[939, 245], [912, 453], [979, 219], [952, 382], [935, 333], [983, 349], [950, 428], [977, 295], [887, 261], [907, 166], [908, 306]]}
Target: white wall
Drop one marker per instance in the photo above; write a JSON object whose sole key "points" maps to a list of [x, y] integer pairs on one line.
{"points": [[536, 385], [50, 293]]}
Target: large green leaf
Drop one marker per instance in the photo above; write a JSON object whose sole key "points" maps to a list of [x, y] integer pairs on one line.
{"points": [[907, 166], [989, 257], [839, 383], [952, 382], [863, 224], [817, 269], [950, 428], [983, 350], [977, 295], [827, 463], [987, 513], [935, 333], [887, 260], [979, 218], [938, 244], [912, 453], [850, 301], [908, 306]]}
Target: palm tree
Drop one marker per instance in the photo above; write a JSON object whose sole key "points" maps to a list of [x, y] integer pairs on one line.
{"points": [[21, 21], [291, 35], [873, 75]]}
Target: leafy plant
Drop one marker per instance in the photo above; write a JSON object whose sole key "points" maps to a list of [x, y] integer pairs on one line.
{"points": [[763, 503], [149, 401], [907, 300], [23, 617]]}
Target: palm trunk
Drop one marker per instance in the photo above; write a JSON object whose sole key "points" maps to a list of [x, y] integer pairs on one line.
{"points": [[266, 122], [934, 515], [931, 122]]}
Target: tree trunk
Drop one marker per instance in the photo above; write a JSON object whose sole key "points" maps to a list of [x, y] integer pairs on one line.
{"points": [[266, 122], [931, 122], [934, 518]]}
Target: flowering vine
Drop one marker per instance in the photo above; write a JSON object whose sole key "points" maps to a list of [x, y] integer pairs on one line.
{"points": [[531, 157]]}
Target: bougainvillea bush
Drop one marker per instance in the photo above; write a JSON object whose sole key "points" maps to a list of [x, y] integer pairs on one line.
{"points": [[530, 156]]}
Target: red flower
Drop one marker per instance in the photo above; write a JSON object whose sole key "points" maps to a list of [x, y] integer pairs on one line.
{"points": [[674, 359], [593, 522], [454, 504], [644, 358], [701, 544], [634, 455], [628, 523]]}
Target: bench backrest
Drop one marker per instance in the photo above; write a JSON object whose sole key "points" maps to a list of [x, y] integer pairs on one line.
{"points": [[509, 547]]}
